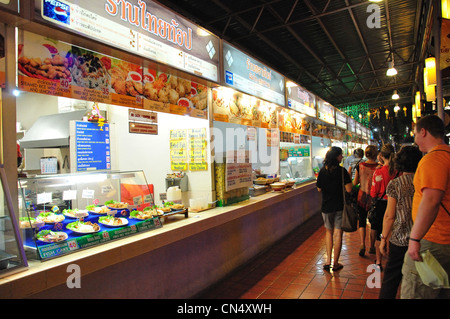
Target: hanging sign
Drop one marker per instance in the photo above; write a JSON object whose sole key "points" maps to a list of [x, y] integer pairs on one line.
{"points": [[140, 27], [302, 101], [250, 76], [341, 119], [92, 144], [325, 112]]}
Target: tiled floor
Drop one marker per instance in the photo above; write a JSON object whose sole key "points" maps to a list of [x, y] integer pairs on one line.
{"points": [[292, 269]]}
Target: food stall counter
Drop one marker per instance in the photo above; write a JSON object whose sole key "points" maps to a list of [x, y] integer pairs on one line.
{"points": [[216, 237]]}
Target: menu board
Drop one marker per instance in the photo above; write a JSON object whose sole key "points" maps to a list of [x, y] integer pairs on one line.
{"points": [[92, 145], [140, 27], [250, 76], [351, 125], [298, 150], [238, 175], [178, 150], [197, 149], [325, 112], [341, 119], [302, 101], [52, 67]]}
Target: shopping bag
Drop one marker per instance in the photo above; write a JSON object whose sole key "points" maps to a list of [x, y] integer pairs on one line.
{"points": [[431, 271], [349, 218]]}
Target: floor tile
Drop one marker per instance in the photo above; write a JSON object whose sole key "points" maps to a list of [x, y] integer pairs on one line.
{"points": [[293, 269]]}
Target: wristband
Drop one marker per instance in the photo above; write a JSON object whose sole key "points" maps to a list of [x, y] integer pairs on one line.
{"points": [[413, 239]]}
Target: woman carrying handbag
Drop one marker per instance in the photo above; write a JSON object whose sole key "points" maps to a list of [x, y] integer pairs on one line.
{"points": [[330, 184], [380, 179], [363, 177]]}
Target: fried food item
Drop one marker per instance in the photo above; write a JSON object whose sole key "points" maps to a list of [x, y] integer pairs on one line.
{"points": [[150, 92], [120, 86], [52, 68], [173, 96], [200, 100], [163, 95]]}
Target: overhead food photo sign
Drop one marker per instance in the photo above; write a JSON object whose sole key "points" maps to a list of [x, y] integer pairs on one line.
{"points": [[52, 67], [141, 27]]}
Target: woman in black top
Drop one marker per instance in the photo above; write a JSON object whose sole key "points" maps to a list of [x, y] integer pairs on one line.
{"points": [[329, 183]]}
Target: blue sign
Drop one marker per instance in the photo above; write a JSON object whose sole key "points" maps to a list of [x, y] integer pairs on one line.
{"points": [[93, 151], [229, 77], [56, 10]]}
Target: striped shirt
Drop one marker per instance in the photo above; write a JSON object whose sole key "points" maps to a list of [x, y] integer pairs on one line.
{"points": [[402, 189]]}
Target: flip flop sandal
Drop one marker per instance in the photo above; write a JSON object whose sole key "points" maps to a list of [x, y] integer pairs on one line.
{"points": [[338, 267], [326, 267]]}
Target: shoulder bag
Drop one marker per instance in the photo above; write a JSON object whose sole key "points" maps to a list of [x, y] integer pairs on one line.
{"points": [[374, 207], [349, 214]]}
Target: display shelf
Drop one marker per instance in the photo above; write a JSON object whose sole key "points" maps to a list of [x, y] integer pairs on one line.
{"points": [[52, 204]]}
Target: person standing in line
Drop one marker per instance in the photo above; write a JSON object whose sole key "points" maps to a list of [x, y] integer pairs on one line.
{"points": [[348, 160], [363, 177], [330, 184], [397, 221], [359, 154], [380, 179], [430, 210]]}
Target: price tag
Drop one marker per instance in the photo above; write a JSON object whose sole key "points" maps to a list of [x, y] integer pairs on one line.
{"points": [[88, 193], [64, 84], [43, 198], [137, 200], [69, 195], [148, 199], [73, 245]]}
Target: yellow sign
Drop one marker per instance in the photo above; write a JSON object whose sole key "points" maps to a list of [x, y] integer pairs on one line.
{"points": [[178, 150]]}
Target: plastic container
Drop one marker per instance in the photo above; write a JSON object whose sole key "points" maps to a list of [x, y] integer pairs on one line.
{"points": [[174, 194]]}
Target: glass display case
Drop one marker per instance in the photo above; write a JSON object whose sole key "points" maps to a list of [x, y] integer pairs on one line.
{"points": [[295, 162], [12, 254], [67, 212]]}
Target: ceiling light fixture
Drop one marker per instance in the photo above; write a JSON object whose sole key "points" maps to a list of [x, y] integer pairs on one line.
{"points": [[395, 96], [391, 71]]}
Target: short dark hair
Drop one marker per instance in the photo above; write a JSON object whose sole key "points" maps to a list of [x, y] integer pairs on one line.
{"points": [[359, 153], [407, 159], [433, 124]]}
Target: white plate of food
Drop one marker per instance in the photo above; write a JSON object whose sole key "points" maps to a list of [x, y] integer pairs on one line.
{"points": [[83, 227], [116, 205], [48, 236], [145, 214], [100, 210], [50, 217], [75, 213], [112, 221]]}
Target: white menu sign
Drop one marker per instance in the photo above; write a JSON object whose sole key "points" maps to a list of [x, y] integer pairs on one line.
{"points": [[325, 112], [140, 27], [252, 77]]}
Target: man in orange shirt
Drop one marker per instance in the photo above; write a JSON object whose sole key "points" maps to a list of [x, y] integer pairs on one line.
{"points": [[431, 202]]}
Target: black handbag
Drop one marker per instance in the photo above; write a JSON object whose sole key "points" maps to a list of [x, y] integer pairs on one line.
{"points": [[349, 212], [374, 207]]}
